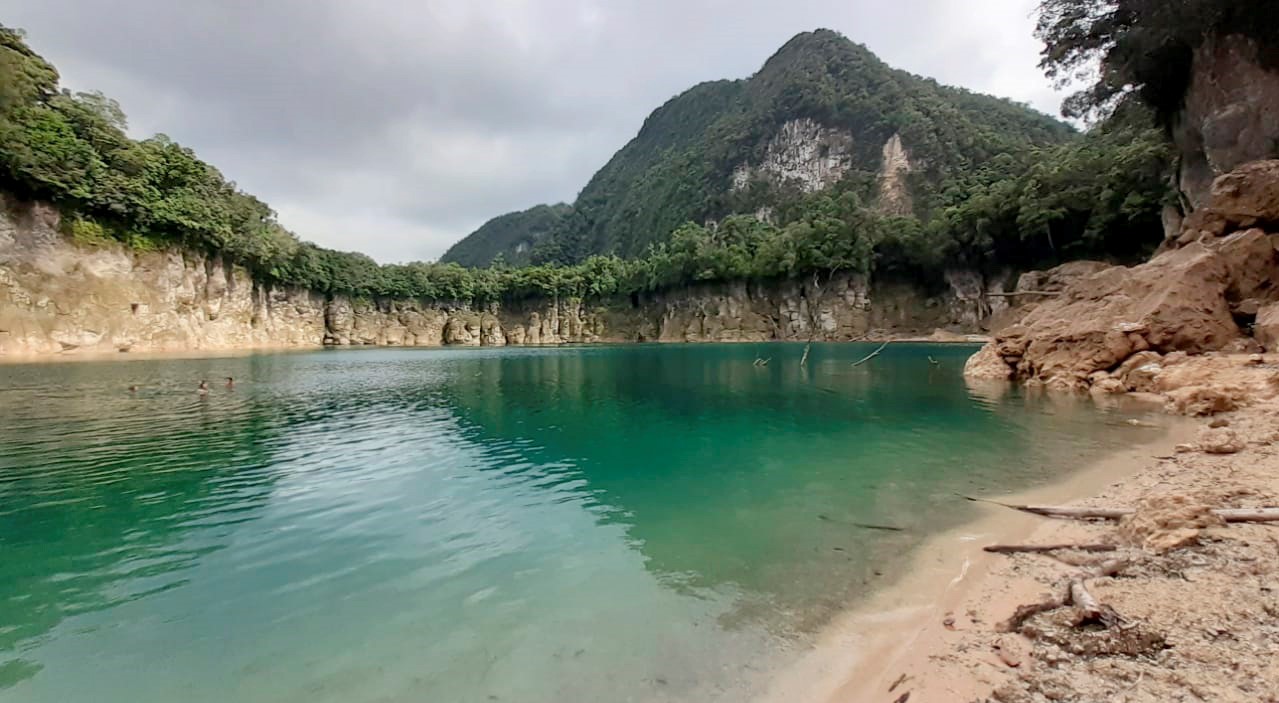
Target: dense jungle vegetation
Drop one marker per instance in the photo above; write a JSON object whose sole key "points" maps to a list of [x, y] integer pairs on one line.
{"points": [[1000, 186]]}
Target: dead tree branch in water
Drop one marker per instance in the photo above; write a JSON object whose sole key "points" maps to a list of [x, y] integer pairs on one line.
{"points": [[873, 354], [863, 525]]}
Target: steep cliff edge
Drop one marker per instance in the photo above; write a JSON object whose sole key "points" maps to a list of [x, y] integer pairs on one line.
{"points": [[60, 297], [1215, 288]]}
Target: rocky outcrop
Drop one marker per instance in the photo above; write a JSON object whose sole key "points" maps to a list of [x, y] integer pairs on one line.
{"points": [[57, 297], [1215, 288], [60, 297], [1230, 115], [804, 154], [1266, 327], [894, 194], [1242, 199]]}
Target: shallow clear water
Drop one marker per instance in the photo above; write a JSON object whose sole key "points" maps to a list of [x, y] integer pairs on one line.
{"points": [[637, 523]]}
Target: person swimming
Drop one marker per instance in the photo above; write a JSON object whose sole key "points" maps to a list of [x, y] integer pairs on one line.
{"points": [[133, 389], [204, 388], [230, 382]]}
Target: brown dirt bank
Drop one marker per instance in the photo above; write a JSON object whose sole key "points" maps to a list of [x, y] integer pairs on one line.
{"points": [[1212, 288], [1198, 599], [1183, 606]]}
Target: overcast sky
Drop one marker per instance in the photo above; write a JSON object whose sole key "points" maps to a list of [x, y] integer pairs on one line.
{"points": [[395, 127]]}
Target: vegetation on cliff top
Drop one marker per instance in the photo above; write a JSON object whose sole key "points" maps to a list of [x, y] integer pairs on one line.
{"points": [[997, 201]]}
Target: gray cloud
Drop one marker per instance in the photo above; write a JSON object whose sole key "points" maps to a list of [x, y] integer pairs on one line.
{"points": [[395, 127]]}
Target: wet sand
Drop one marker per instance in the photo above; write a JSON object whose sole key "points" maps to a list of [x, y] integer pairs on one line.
{"points": [[1212, 598], [900, 629]]}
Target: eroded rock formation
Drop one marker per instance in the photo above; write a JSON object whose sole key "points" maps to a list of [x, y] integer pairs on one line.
{"points": [[60, 297], [894, 193], [804, 154], [1214, 288]]}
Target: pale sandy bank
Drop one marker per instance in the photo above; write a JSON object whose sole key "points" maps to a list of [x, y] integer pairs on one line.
{"points": [[1199, 600]]}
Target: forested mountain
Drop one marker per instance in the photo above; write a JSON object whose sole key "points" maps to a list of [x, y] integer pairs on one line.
{"points": [[826, 160], [513, 234], [820, 115]]}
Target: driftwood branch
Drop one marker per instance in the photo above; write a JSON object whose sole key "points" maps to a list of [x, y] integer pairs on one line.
{"points": [[1044, 548], [1248, 514], [873, 354], [1227, 514], [1024, 292], [1085, 601], [1076, 594]]}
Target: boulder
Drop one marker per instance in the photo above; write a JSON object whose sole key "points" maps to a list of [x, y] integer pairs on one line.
{"points": [[1253, 263], [1177, 301], [1103, 383], [1248, 195], [987, 364], [1200, 401], [1266, 329], [1220, 440], [1138, 373]]}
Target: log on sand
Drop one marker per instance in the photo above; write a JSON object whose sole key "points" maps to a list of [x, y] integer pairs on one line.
{"points": [[1077, 595], [1043, 548], [1227, 514]]}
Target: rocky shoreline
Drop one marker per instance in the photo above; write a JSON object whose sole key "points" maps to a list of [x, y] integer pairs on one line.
{"points": [[1178, 604], [1213, 287], [1195, 598]]}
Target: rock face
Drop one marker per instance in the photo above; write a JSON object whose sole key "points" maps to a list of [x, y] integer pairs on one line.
{"points": [[804, 154], [1230, 117], [894, 195], [59, 297], [55, 297], [1117, 329]]}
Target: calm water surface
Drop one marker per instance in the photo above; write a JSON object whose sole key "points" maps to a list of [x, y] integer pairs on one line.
{"points": [[641, 523]]}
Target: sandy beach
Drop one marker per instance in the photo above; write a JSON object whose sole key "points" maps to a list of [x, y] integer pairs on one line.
{"points": [[1201, 597]]}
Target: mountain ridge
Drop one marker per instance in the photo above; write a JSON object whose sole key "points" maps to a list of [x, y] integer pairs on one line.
{"points": [[694, 158]]}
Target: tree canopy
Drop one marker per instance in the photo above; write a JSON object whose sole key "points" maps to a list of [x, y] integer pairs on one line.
{"points": [[680, 165], [1047, 200]]}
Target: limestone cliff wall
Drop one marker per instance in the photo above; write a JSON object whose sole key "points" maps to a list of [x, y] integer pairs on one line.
{"points": [[58, 297], [1230, 114]]}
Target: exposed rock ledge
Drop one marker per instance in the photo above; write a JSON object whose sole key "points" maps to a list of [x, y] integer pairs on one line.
{"points": [[1213, 289], [57, 297]]}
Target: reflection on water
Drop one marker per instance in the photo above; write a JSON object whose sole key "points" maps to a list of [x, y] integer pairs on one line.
{"points": [[627, 523]]}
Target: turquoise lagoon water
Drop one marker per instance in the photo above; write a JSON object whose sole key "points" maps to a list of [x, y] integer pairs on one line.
{"points": [[632, 523]]}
